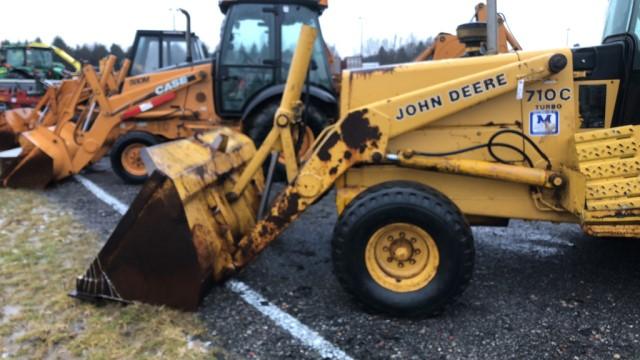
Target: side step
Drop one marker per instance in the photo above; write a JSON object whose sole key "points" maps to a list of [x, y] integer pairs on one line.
{"points": [[610, 161]]}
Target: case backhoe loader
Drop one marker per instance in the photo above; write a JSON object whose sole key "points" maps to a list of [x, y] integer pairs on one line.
{"points": [[420, 152], [145, 57]]}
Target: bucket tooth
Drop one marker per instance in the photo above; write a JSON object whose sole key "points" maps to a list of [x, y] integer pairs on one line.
{"points": [[180, 234]]}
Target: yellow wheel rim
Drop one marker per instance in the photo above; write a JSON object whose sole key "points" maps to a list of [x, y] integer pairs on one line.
{"points": [[132, 161], [402, 257]]}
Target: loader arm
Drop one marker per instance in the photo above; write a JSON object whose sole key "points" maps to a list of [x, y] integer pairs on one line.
{"points": [[361, 137], [68, 59]]}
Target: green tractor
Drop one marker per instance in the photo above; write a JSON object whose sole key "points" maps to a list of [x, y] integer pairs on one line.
{"points": [[35, 60]]}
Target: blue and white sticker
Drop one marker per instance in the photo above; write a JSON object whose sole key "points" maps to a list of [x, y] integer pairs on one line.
{"points": [[544, 123]]}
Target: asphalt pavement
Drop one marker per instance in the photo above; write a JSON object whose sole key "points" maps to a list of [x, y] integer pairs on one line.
{"points": [[540, 291]]}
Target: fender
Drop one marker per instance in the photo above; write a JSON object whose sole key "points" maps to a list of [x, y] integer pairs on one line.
{"points": [[269, 93]]}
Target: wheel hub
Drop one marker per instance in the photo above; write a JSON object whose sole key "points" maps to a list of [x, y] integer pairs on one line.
{"points": [[132, 160], [402, 257]]}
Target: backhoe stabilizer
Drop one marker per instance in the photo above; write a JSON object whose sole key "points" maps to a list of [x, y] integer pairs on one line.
{"points": [[180, 234]]}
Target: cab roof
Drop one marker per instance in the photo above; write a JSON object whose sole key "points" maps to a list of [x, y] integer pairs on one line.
{"points": [[318, 5]]}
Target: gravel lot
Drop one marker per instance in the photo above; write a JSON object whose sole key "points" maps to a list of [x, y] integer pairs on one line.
{"points": [[540, 291]]}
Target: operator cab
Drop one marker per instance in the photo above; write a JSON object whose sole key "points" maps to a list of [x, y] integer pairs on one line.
{"points": [[257, 44], [29, 57], [24, 61], [617, 58], [153, 50]]}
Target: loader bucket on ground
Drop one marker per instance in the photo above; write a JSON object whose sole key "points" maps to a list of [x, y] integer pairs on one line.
{"points": [[42, 159], [181, 233], [31, 170], [12, 123]]}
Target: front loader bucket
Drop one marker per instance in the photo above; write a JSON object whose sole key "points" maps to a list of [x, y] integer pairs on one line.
{"points": [[31, 170], [180, 234], [12, 123], [43, 156]]}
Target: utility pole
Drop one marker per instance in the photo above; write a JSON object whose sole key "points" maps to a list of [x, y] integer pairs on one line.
{"points": [[492, 27], [361, 35], [173, 14]]}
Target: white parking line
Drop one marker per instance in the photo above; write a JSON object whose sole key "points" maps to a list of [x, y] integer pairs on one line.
{"points": [[102, 195], [292, 325], [285, 321]]}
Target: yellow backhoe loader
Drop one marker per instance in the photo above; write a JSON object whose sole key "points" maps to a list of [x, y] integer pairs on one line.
{"points": [[421, 152]]}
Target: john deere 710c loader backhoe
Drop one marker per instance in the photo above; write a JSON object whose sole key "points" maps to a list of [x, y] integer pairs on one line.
{"points": [[421, 152]]}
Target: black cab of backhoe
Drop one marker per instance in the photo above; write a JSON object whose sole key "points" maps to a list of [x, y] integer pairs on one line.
{"points": [[617, 58], [256, 47]]}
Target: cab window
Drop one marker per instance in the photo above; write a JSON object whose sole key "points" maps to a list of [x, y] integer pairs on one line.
{"points": [[174, 52], [15, 57], [146, 57], [247, 56], [293, 19], [618, 17], [39, 58]]}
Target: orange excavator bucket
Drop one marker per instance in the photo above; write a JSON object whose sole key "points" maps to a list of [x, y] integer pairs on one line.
{"points": [[186, 229]]}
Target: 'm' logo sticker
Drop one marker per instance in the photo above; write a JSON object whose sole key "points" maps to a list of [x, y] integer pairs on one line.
{"points": [[544, 123]]}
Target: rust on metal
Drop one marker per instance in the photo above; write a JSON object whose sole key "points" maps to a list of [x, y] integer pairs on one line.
{"points": [[181, 234], [325, 151], [357, 130], [137, 263], [381, 70]]}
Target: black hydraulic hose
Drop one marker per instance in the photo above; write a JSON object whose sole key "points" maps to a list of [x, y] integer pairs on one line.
{"points": [[491, 144]]}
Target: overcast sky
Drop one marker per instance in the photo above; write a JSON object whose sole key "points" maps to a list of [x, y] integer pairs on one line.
{"points": [[536, 24]]}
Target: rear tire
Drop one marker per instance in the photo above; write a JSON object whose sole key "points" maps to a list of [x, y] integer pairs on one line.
{"points": [[123, 156], [260, 123], [404, 249]]}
